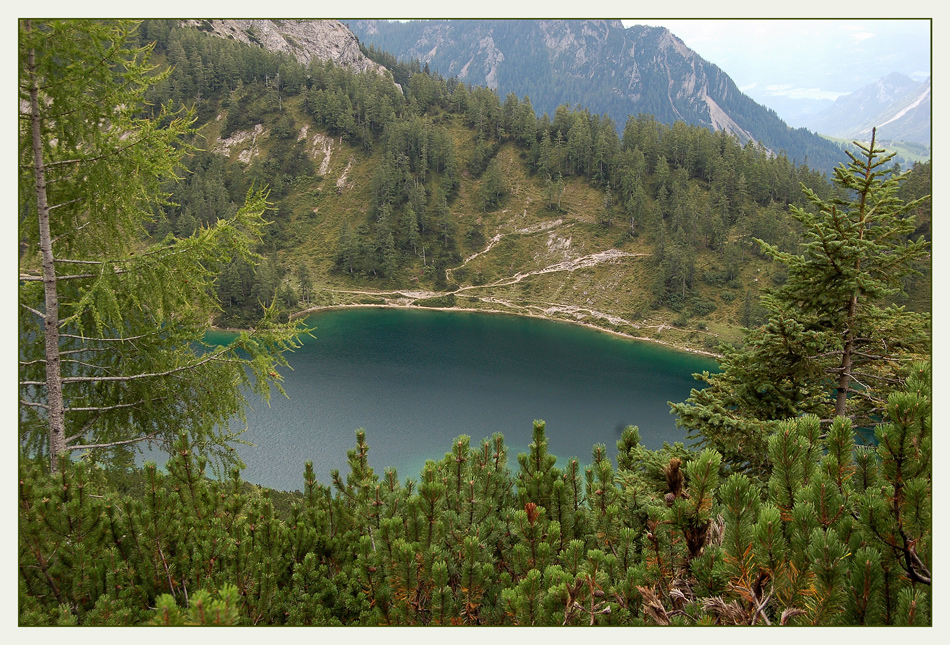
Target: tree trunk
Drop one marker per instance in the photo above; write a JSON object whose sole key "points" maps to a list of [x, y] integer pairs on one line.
{"points": [[844, 378], [54, 383]]}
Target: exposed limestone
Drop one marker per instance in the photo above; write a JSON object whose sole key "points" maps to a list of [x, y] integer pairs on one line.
{"points": [[341, 180], [305, 40], [573, 264], [537, 228], [642, 67], [493, 59], [722, 121], [558, 244], [579, 313], [322, 144], [239, 140]]}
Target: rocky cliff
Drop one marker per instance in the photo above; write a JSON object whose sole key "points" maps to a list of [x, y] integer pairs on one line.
{"points": [[647, 69], [305, 40]]}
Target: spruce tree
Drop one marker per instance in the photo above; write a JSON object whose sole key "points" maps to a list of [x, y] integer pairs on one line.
{"points": [[856, 253], [833, 346]]}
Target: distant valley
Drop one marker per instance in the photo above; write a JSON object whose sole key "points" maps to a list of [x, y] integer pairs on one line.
{"points": [[897, 106]]}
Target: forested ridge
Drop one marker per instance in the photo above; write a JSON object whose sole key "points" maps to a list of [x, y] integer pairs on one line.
{"points": [[617, 71], [780, 512], [408, 189]]}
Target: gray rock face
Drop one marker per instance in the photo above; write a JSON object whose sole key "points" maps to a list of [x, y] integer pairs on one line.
{"points": [[595, 62], [305, 40]]}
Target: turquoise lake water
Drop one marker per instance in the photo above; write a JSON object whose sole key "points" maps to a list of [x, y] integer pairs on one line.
{"points": [[416, 379]]}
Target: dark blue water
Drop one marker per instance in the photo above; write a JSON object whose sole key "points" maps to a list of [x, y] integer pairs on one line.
{"points": [[416, 379]]}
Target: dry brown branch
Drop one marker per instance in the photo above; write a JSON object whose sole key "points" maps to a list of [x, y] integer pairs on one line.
{"points": [[652, 607]]}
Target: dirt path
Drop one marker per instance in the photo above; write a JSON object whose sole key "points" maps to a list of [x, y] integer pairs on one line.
{"points": [[573, 264], [548, 310], [529, 230], [587, 261]]}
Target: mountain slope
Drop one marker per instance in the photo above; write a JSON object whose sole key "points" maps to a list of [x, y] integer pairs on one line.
{"points": [[305, 40], [436, 194], [896, 105], [600, 65]]}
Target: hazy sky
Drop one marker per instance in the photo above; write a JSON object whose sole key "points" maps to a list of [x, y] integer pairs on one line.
{"points": [[819, 59]]}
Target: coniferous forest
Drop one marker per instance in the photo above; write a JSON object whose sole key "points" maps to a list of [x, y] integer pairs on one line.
{"points": [[802, 496]]}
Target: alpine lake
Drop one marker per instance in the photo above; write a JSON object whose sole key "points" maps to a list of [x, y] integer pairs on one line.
{"points": [[416, 379]]}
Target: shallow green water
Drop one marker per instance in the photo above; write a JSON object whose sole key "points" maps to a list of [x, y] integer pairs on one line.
{"points": [[416, 379]]}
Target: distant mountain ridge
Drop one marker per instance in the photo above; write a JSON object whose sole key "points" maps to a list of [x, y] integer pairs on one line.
{"points": [[896, 105], [597, 64]]}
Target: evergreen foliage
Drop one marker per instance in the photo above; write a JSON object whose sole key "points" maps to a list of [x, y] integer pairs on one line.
{"points": [[831, 327], [411, 137], [534, 63], [780, 518], [428, 143], [834, 536], [111, 322]]}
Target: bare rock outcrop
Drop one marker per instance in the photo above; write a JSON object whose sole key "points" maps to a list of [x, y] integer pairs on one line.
{"points": [[305, 40]]}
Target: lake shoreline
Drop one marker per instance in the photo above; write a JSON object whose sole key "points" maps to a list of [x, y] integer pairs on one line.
{"points": [[669, 345]]}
